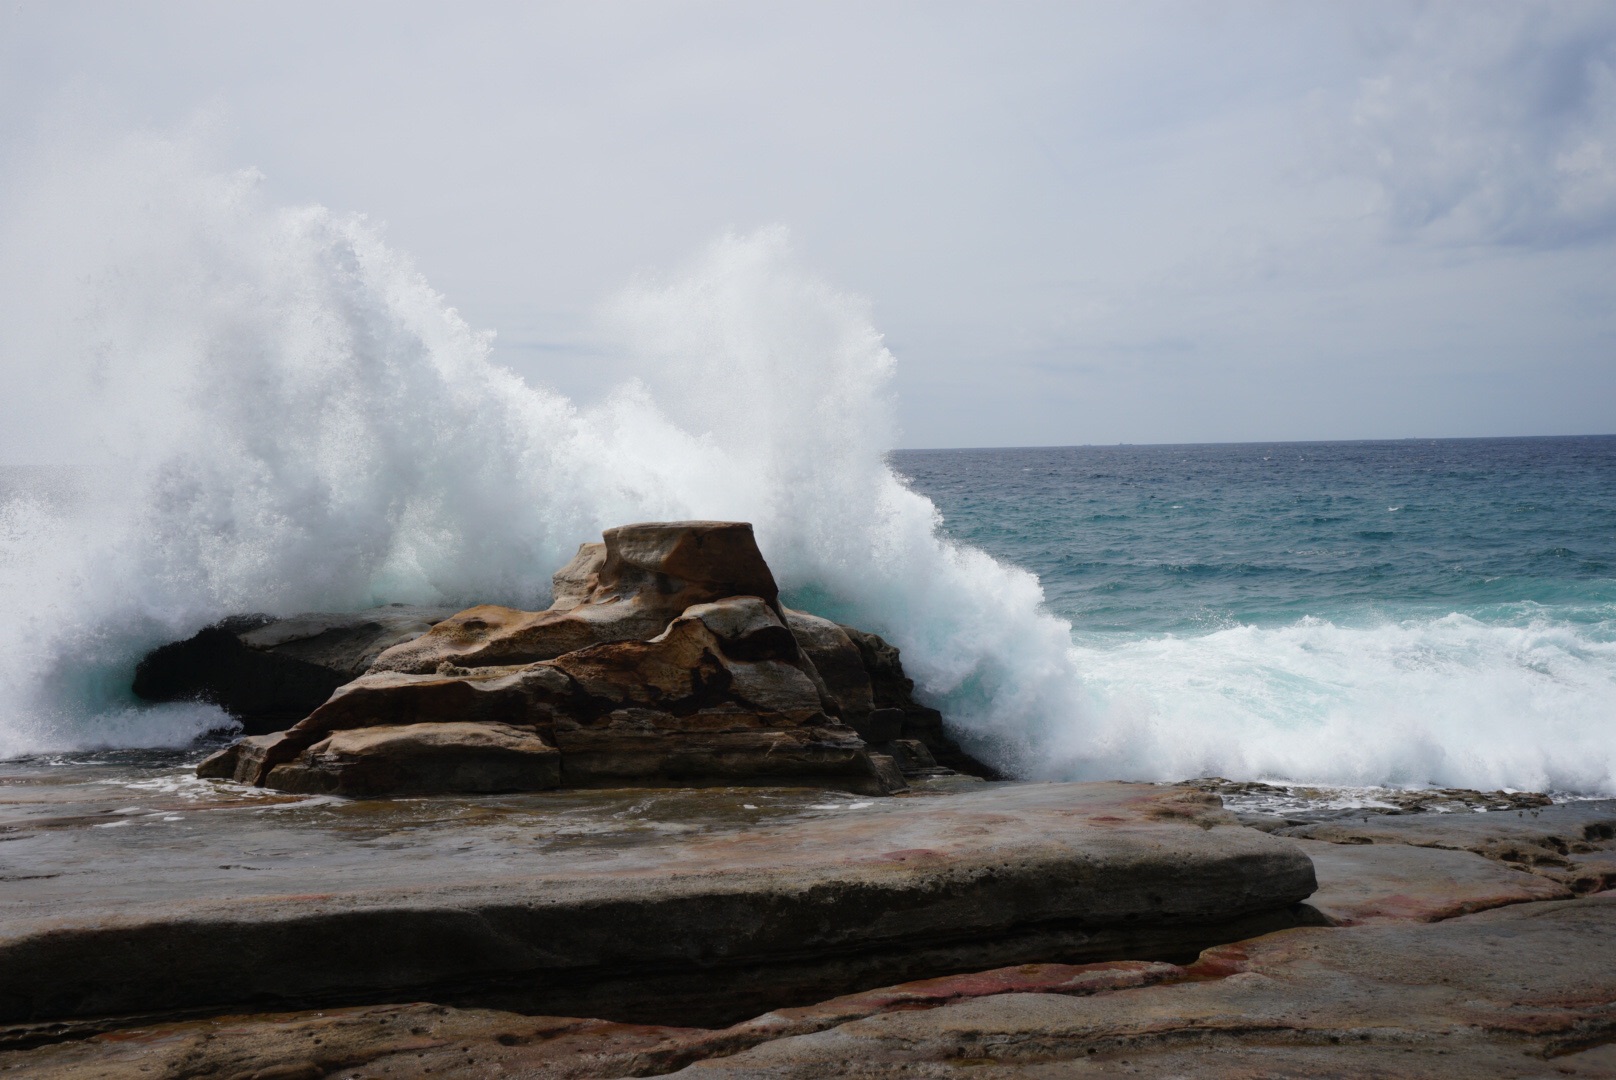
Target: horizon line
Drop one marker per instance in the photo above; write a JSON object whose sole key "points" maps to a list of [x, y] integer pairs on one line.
{"points": [[1254, 442]]}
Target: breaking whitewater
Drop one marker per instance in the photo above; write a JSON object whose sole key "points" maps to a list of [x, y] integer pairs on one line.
{"points": [[217, 405]]}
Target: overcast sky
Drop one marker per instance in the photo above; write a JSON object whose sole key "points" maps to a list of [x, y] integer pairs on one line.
{"points": [[1075, 222]]}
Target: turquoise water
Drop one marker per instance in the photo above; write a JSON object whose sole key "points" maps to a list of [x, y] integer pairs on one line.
{"points": [[1185, 539], [1367, 612]]}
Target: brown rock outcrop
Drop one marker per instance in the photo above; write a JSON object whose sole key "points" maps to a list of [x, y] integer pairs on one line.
{"points": [[668, 660], [639, 580], [666, 657], [422, 758]]}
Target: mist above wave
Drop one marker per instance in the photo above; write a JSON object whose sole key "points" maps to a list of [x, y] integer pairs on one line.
{"points": [[226, 405]]}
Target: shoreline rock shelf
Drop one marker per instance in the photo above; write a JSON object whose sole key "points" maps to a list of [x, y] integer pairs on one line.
{"points": [[342, 904], [666, 658], [138, 904]]}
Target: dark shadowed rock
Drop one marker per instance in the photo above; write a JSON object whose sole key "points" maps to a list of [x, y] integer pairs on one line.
{"points": [[897, 715], [433, 1040], [839, 664], [271, 672], [1525, 992], [1519, 992]]}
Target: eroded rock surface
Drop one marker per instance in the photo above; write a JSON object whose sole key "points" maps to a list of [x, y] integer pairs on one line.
{"points": [[1518, 992], [1572, 843], [108, 915], [720, 695], [1366, 882], [666, 658]]}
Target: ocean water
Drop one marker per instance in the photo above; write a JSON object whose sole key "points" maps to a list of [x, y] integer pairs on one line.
{"points": [[216, 404], [1454, 598]]}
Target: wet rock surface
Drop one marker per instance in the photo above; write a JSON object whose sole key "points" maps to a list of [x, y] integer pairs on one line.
{"points": [[1444, 962], [1572, 843], [482, 903]]}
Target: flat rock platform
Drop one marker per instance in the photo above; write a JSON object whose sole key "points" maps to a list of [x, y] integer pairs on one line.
{"points": [[142, 892]]}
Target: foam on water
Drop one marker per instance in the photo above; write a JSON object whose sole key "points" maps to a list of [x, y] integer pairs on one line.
{"points": [[217, 405], [1448, 701]]}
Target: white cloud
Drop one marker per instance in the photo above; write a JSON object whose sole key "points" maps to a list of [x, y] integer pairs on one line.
{"points": [[1495, 123]]}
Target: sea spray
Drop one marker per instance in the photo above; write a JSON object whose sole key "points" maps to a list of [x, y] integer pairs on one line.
{"points": [[218, 405], [246, 407]]}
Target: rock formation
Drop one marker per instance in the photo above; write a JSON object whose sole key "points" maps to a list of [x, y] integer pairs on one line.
{"points": [[270, 672], [666, 658]]}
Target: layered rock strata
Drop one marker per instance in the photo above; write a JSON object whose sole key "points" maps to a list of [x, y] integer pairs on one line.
{"points": [[666, 658], [332, 905], [1522, 992]]}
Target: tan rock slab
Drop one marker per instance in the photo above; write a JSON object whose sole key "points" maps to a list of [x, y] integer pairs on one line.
{"points": [[1363, 882]]}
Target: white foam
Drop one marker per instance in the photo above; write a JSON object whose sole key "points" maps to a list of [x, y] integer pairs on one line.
{"points": [[216, 405], [1446, 700]]}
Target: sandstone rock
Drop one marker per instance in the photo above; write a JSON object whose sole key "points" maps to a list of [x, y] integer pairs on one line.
{"points": [[913, 758], [892, 693], [1519, 992], [1365, 882], [396, 1041], [271, 672], [575, 583], [665, 659], [642, 577], [508, 904], [840, 665], [722, 695], [432, 1040], [417, 759]]}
